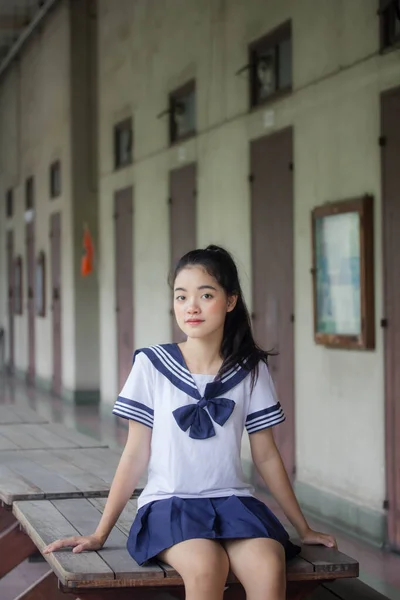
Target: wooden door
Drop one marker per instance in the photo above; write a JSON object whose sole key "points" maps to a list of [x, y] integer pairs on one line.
{"points": [[30, 267], [123, 215], [10, 278], [272, 265], [390, 145], [55, 253], [182, 218]]}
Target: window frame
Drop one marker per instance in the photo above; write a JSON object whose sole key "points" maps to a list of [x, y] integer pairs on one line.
{"points": [[268, 42], [30, 193], [54, 168], [174, 97], [387, 20], [9, 203], [118, 128]]}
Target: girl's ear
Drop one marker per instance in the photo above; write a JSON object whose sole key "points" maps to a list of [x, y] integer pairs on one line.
{"points": [[232, 300]]}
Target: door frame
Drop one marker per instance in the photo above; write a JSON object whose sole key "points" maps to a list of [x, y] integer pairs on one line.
{"points": [[392, 412]]}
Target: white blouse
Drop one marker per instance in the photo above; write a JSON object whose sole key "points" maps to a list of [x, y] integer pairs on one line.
{"points": [[197, 423]]}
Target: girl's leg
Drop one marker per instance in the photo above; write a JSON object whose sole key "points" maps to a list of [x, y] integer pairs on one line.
{"points": [[203, 566], [260, 566]]}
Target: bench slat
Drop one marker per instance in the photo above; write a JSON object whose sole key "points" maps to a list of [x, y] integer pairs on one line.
{"points": [[80, 440], [35, 436], [6, 443], [81, 478], [85, 517], [18, 414], [353, 589], [48, 481], [329, 560], [44, 523], [104, 466], [14, 486]]}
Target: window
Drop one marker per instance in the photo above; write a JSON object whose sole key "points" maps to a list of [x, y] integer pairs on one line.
{"points": [[270, 63], [123, 143], [55, 179], [9, 204], [389, 15], [182, 112], [29, 194]]}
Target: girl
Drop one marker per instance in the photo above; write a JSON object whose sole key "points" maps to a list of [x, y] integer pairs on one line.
{"points": [[187, 406]]}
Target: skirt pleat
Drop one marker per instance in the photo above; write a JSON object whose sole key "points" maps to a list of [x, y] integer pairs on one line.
{"points": [[164, 523]]}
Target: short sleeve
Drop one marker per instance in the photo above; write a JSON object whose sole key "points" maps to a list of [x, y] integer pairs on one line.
{"points": [[264, 408], [136, 398]]}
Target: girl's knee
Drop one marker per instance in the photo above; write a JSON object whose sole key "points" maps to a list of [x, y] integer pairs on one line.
{"points": [[207, 572]]}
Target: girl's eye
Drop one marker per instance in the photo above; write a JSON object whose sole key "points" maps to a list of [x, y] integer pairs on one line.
{"points": [[207, 296], [180, 298]]}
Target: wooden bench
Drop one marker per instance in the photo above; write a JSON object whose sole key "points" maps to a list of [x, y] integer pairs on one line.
{"points": [[12, 414], [112, 573], [74, 467]]}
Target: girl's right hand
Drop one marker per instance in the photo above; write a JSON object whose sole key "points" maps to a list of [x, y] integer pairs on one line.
{"points": [[78, 544]]}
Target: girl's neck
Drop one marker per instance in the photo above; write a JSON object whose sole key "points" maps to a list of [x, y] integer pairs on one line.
{"points": [[202, 356]]}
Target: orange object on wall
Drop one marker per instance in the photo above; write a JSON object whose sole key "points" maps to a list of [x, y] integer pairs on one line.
{"points": [[87, 258]]}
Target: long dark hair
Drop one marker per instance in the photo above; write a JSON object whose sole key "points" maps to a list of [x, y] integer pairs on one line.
{"points": [[238, 346]]}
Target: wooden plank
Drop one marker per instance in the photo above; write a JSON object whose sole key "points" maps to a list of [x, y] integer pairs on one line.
{"points": [[7, 444], [44, 588], [85, 517], [20, 436], [352, 589], [19, 414], [84, 480], [79, 440], [127, 517], [15, 547], [44, 524], [104, 466], [14, 487], [50, 483], [329, 560]]}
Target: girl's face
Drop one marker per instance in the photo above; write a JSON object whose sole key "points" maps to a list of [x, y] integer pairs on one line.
{"points": [[200, 303]]}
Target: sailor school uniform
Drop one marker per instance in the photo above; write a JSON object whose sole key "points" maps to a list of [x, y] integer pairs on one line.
{"points": [[196, 487]]}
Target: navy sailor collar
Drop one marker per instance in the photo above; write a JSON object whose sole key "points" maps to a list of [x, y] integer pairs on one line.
{"points": [[168, 360]]}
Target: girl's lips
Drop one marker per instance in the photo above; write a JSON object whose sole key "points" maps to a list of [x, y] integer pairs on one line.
{"points": [[194, 321]]}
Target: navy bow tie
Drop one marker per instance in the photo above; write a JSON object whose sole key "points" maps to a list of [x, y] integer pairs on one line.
{"points": [[198, 419]]}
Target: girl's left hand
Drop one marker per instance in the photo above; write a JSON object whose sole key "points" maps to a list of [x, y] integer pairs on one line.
{"points": [[315, 537]]}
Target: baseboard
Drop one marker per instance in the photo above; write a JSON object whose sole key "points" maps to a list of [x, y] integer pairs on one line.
{"points": [[354, 519], [81, 396]]}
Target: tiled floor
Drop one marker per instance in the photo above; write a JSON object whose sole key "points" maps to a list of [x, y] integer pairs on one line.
{"points": [[379, 569]]}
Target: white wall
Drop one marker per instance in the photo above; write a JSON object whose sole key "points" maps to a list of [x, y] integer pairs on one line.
{"points": [[35, 126], [146, 49]]}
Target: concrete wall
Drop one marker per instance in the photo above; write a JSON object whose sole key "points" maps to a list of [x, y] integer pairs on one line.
{"points": [[146, 49], [35, 132]]}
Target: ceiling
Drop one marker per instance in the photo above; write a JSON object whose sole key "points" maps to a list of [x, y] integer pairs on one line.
{"points": [[15, 15]]}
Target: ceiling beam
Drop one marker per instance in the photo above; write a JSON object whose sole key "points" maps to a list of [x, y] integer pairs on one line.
{"points": [[13, 23], [26, 34]]}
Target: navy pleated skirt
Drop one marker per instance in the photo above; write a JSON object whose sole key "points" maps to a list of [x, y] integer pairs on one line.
{"points": [[164, 523]]}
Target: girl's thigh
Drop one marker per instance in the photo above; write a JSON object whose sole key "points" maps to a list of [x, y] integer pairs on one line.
{"points": [[201, 563], [260, 566]]}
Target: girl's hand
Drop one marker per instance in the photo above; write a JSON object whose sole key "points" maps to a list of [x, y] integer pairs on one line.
{"points": [[315, 537], [78, 544]]}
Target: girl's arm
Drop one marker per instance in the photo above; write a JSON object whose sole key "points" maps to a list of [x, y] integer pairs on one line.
{"points": [[269, 464], [131, 467]]}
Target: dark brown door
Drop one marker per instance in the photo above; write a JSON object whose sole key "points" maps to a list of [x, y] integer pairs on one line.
{"points": [[10, 277], [390, 111], [55, 252], [182, 218], [272, 261], [123, 214], [30, 266]]}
